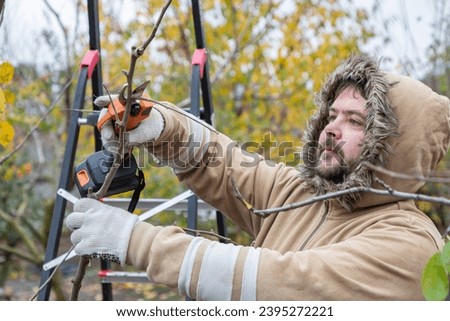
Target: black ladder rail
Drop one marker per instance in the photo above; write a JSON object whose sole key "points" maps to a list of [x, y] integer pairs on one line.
{"points": [[97, 90], [201, 86], [205, 82], [200, 75], [90, 68], [64, 182], [192, 217]]}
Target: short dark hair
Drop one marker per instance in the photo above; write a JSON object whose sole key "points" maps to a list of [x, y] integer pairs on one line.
{"points": [[344, 84]]}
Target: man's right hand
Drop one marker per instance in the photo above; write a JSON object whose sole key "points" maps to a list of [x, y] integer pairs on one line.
{"points": [[148, 130]]}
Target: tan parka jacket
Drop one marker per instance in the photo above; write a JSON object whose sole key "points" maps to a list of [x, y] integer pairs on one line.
{"points": [[357, 247]]}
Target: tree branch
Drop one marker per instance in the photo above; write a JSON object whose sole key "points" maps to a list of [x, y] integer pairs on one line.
{"points": [[19, 253], [22, 233], [209, 233], [78, 280], [405, 176], [136, 53], [333, 195]]}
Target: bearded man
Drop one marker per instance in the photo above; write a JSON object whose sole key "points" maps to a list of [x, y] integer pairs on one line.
{"points": [[360, 246]]}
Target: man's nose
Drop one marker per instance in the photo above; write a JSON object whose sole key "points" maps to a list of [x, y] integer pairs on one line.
{"points": [[333, 130]]}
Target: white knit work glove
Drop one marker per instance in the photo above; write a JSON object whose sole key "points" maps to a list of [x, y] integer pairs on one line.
{"points": [[148, 130], [100, 231]]}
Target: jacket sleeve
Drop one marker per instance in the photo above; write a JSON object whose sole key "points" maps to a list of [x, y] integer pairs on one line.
{"points": [[212, 165], [364, 267]]}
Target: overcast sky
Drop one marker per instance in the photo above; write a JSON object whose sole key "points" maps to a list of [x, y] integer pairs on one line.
{"points": [[25, 18]]}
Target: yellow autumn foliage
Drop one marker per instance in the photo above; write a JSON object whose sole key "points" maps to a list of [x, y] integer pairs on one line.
{"points": [[6, 133], [266, 60], [6, 73], [6, 129]]}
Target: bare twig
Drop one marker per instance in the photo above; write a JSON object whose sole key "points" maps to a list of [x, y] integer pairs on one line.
{"points": [[51, 275], [2, 10], [405, 176], [81, 271], [112, 103], [118, 157], [209, 233], [384, 184], [136, 53], [64, 31], [193, 118], [141, 49], [19, 229], [17, 252], [333, 195]]}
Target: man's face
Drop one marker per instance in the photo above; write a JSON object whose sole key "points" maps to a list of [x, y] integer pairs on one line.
{"points": [[341, 139]]}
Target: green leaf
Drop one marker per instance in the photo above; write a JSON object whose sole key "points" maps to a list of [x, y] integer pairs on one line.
{"points": [[6, 72], [435, 285]]}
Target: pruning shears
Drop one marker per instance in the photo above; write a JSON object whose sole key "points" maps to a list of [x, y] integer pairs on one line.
{"points": [[140, 108]]}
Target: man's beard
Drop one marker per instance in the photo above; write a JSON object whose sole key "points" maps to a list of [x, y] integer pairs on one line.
{"points": [[336, 173], [336, 167]]}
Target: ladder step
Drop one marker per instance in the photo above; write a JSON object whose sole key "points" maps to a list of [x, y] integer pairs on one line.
{"points": [[149, 203], [108, 276]]}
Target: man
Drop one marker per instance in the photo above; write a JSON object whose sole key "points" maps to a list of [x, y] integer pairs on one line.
{"points": [[359, 246]]}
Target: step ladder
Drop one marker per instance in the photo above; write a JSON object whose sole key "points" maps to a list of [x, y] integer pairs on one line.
{"points": [[90, 69]]}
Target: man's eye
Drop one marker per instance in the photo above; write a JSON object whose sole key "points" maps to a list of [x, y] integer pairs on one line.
{"points": [[331, 118], [355, 122]]}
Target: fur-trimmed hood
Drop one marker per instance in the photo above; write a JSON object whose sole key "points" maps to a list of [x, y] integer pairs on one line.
{"points": [[407, 131]]}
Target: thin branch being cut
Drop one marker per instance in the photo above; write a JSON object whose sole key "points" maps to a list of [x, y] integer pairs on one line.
{"points": [[118, 157], [81, 271], [136, 53], [140, 50]]}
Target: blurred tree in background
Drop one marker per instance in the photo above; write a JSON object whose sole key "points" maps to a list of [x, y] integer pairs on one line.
{"points": [[438, 77]]}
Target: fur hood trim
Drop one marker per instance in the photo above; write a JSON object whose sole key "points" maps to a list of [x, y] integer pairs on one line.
{"points": [[381, 123]]}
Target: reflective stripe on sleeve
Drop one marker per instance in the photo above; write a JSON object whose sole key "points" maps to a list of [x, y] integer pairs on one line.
{"points": [[217, 269], [250, 275], [216, 274], [184, 279]]}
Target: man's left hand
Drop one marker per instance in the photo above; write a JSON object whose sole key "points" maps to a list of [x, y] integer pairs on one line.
{"points": [[100, 231]]}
